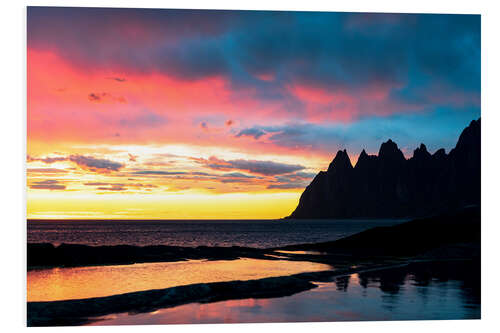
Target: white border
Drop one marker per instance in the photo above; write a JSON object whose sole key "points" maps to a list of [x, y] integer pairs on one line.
{"points": [[13, 143]]}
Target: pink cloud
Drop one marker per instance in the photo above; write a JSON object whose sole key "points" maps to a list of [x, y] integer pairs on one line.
{"points": [[68, 103]]}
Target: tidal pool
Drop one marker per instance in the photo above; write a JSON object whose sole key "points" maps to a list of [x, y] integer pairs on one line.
{"points": [[97, 281], [423, 291]]}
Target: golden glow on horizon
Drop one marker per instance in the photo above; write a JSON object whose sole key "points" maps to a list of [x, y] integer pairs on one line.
{"points": [[160, 151], [69, 205], [185, 194]]}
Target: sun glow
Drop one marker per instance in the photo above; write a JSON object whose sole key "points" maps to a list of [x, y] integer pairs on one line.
{"points": [[77, 205], [163, 181], [200, 118]]}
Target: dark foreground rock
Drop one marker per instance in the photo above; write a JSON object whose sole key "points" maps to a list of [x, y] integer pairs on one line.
{"points": [[388, 185], [74, 312], [71, 255], [459, 231]]}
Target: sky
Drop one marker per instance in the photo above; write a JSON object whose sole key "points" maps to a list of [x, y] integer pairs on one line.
{"points": [[199, 114]]}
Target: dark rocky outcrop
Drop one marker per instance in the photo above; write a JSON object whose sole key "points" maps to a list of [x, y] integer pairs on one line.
{"points": [[454, 231], [76, 312], [44, 255], [388, 185]]}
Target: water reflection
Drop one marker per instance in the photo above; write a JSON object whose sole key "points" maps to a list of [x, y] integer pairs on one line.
{"points": [[299, 252], [424, 291], [97, 281], [342, 283]]}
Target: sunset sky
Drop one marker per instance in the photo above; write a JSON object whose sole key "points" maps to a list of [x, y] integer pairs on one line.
{"points": [[178, 114]]}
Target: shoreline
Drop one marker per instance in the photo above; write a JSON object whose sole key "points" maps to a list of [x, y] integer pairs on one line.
{"points": [[82, 311], [452, 237], [404, 240]]}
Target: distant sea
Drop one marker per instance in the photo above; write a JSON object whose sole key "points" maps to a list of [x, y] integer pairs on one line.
{"points": [[249, 233]]}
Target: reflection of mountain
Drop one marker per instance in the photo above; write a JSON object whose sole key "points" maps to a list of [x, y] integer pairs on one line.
{"points": [[391, 186], [391, 281], [342, 282]]}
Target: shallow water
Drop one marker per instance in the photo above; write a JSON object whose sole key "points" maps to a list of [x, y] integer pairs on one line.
{"points": [[96, 281], [256, 233], [426, 291], [299, 252]]}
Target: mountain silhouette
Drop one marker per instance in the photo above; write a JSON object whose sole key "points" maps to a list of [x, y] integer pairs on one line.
{"points": [[388, 185]]}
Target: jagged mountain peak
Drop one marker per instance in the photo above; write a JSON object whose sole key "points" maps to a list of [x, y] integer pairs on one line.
{"points": [[471, 135], [390, 150], [421, 152], [341, 161], [390, 186], [364, 159], [440, 153]]}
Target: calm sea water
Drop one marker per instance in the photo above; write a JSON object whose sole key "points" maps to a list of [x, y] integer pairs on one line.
{"points": [[422, 292], [252, 233]]}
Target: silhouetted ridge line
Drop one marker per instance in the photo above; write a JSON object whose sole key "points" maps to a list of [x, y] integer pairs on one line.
{"points": [[388, 185]]}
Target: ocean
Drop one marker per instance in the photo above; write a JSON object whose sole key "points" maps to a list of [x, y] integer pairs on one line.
{"points": [[248, 233]]}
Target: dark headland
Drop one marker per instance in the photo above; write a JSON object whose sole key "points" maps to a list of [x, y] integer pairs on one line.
{"points": [[388, 185]]}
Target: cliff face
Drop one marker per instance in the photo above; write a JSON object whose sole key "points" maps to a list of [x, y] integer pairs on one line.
{"points": [[388, 185]]}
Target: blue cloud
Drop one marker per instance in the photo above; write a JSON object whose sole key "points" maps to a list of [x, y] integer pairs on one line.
{"points": [[332, 50], [437, 128]]}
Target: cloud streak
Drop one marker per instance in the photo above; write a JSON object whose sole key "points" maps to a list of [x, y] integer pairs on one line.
{"points": [[117, 79], [157, 173], [89, 163], [266, 168], [50, 184], [105, 98], [95, 164]]}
